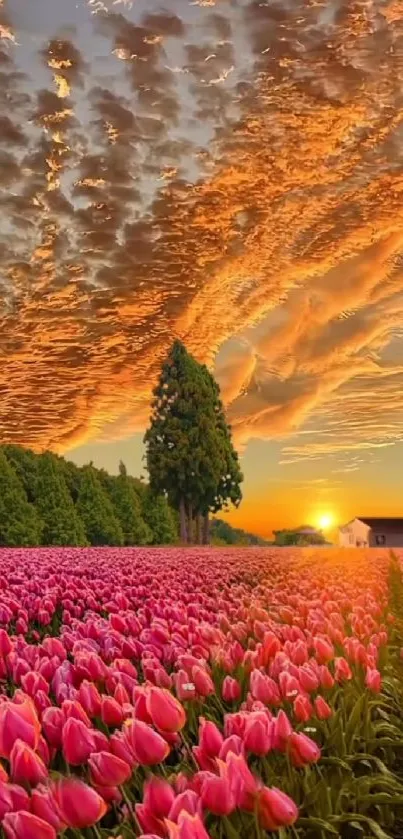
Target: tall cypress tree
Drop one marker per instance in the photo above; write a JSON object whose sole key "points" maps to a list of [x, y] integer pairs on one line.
{"points": [[189, 450], [55, 506], [96, 511], [127, 508], [20, 524]]}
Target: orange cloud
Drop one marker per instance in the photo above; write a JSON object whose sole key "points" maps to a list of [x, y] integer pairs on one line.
{"points": [[250, 204]]}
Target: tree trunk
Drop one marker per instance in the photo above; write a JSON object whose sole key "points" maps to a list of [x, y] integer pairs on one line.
{"points": [[190, 523], [182, 518], [206, 529], [198, 529]]}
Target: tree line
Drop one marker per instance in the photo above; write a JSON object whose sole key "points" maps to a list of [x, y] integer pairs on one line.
{"points": [[193, 471], [47, 500]]}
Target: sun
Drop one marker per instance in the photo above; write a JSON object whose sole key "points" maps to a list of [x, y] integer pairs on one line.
{"points": [[325, 521]]}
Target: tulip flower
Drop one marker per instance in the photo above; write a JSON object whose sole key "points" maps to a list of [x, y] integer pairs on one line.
{"points": [[275, 809], [231, 689], [202, 681], [53, 721], [342, 671], [18, 722], [188, 801], [188, 827], [26, 766], [77, 742], [210, 738], [166, 712], [217, 794], [282, 730], [303, 709], [302, 749], [243, 783], [78, 804], [108, 770], [147, 745], [19, 797], [25, 825], [44, 806], [373, 680], [111, 711], [258, 737], [322, 710], [90, 699], [6, 801], [158, 796]]}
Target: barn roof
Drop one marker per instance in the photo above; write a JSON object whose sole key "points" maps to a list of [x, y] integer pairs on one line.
{"points": [[392, 523]]}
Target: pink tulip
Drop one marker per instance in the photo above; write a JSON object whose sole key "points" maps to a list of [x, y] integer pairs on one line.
{"points": [[19, 797], [282, 730], [108, 770], [52, 722], [43, 805], [78, 804], [342, 670], [210, 738], [147, 745], [258, 737], [322, 709], [373, 680], [217, 794], [26, 766], [158, 797], [6, 801], [25, 825], [77, 742], [90, 699], [188, 827], [202, 681], [188, 802], [231, 690], [302, 749], [303, 709], [18, 722], [111, 712], [166, 712], [275, 809]]}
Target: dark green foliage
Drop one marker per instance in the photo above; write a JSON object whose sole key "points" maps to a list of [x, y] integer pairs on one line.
{"points": [[160, 518], [189, 451], [20, 524], [55, 506], [222, 533], [127, 508], [25, 463], [96, 511], [300, 536]]}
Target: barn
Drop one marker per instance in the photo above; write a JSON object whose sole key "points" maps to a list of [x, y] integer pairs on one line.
{"points": [[371, 532]]}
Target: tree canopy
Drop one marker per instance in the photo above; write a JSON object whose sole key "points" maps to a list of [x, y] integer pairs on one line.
{"points": [[189, 451]]}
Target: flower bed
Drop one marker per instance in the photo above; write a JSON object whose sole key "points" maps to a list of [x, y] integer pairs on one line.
{"points": [[188, 694]]}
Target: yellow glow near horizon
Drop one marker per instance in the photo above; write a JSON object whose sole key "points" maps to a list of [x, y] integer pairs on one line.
{"points": [[325, 520]]}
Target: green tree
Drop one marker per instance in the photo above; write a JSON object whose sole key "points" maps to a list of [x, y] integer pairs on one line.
{"points": [[20, 524], [25, 463], [55, 506], [96, 511], [189, 451], [160, 519], [127, 508]]}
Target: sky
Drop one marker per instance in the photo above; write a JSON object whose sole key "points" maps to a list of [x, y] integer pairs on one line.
{"points": [[228, 173]]}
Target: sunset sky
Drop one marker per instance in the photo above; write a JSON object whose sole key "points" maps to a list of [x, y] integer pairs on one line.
{"points": [[229, 173]]}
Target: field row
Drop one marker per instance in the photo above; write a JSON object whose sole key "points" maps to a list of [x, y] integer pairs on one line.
{"points": [[200, 693]]}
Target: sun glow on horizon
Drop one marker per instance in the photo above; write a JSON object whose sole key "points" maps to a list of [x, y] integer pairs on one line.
{"points": [[326, 520]]}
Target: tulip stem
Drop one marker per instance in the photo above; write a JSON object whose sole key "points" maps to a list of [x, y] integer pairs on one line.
{"points": [[132, 813]]}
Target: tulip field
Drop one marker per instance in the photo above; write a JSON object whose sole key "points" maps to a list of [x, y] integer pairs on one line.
{"points": [[195, 693]]}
